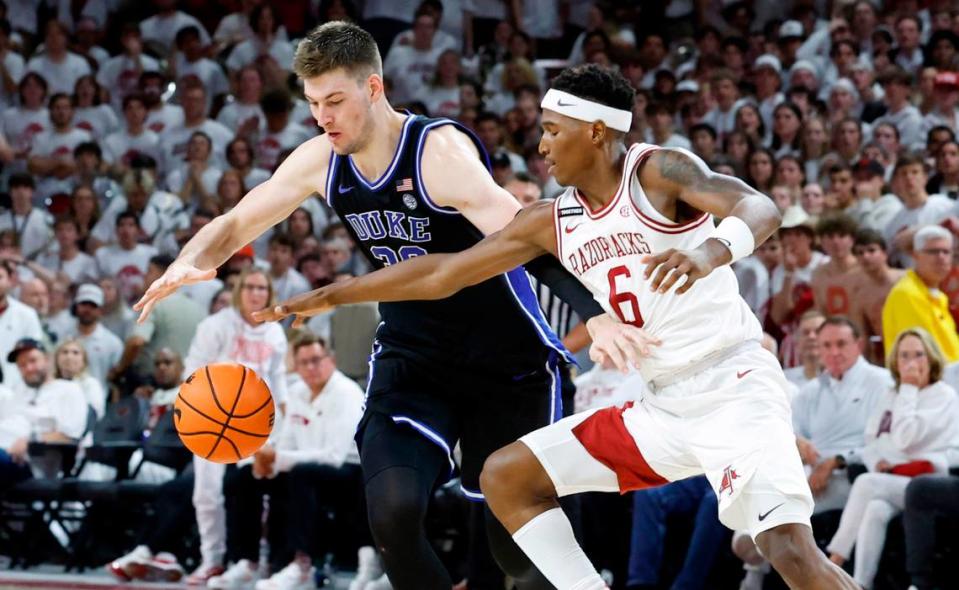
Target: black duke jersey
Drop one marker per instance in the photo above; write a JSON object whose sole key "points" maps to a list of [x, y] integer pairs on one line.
{"points": [[496, 324]]}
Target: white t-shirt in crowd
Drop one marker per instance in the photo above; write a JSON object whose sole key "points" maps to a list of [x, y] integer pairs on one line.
{"points": [[34, 229], [270, 145], [245, 53], [208, 71], [21, 126], [175, 140], [933, 211], [81, 269], [121, 76], [104, 349], [226, 337], [62, 76], [99, 120], [235, 113], [14, 64], [165, 118], [290, 284], [320, 430], [442, 102], [127, 267], [17, 321], [801, 275], [163, 29], [54, 144], [123, 147], [410, 71], [56, 406]]}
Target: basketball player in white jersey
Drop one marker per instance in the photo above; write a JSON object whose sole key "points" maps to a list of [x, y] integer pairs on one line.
{"points": [[636, 228]]}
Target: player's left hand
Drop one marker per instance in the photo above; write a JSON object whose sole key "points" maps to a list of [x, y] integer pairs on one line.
{"points": [[618, 345], [666, 268], [303, 306]]}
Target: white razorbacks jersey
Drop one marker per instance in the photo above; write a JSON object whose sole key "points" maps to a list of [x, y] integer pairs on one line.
{"points": [[604, 250]]}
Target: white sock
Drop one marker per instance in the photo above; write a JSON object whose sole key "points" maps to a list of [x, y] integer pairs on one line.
{"points": [[548, 541]]}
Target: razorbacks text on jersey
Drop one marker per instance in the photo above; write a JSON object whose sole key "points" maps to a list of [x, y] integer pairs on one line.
{"points": [[495, 325], [604, 250]]}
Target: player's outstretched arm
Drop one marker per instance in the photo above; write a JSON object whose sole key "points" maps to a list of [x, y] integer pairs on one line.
{"points": [[434, 276], [263, 207], [749, 217]]}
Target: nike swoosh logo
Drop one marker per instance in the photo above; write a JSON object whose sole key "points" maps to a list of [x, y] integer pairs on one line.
{"points": [[742, 374], [346, 189], [565, 104], [762, 517], [571, 228]]}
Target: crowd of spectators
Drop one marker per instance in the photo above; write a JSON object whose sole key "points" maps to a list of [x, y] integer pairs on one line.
{"points": [[127, 126]]}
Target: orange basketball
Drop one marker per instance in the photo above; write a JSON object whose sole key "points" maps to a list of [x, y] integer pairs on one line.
{"points": [[224, 412]]}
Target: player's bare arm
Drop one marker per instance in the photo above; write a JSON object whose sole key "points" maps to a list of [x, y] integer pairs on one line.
{"points": [[301, 174], [679, 183], [434, 276]]}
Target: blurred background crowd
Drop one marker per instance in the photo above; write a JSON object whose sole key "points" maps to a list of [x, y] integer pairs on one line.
{"points": [[126, 126]]}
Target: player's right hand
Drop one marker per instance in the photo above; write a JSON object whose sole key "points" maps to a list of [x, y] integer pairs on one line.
{"points": [[303, 306], [176, 275]]}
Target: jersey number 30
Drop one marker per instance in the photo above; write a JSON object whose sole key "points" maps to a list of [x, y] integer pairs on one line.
{"points": [[389, 256], [618, 298]]}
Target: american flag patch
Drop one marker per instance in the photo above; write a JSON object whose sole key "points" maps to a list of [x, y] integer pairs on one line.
{"points": [[404, 185]]}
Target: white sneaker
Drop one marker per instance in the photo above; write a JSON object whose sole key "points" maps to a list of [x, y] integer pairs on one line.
{"points": [[292, 577], [202, 574], [242, 575], [133, 565], [381, 583], [368, 568], [164, 568]]}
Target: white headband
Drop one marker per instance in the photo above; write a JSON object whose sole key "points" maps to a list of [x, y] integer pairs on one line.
{"points": [[565, 103]]}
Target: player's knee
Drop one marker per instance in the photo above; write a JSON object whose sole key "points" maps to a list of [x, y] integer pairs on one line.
{"points": [[787, 547], [511, 469]]}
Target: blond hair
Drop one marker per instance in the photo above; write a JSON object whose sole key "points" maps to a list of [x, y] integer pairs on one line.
{"points": [[238, 288], [936, 361]]}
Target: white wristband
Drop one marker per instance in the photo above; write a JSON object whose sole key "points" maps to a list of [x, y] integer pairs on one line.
{"points": [[735, 235]]}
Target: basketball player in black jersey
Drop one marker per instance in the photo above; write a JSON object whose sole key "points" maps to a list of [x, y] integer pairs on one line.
{"points": [[478, 368]]}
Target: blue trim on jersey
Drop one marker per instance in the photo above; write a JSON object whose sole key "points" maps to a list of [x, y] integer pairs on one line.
{"points": [[428, 433], [419, 158], [472, 496], [331, 176], [397, 156], [555, 390], [522, 290]]}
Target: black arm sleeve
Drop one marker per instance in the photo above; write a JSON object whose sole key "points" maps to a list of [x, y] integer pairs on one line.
{"points": [[551, 273]]}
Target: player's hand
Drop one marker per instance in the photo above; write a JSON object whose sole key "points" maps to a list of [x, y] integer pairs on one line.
{"points": [[618, 345], [303, 306], [884, 466], [807, 451], [668, 267], [910, 373], [819, 478], [177, 275]]}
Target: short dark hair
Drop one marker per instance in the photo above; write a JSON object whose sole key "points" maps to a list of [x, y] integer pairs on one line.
{"points": [[135, 96], [334, 45], [909, 159], [703, 127], [282, 239], [161, 261], [59, 96], [485, 116], [66, 220], [657, 107], [21, 179], [127, 214], [836, 225], [839, 321], [307, 338], [598, 84], [868, 236], [840, 167], [276, 102], [186, 32], [88, 147], [940, 129], [896, 75]]}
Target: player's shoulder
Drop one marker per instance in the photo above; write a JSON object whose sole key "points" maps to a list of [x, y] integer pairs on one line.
{"points": [[444, 138]]}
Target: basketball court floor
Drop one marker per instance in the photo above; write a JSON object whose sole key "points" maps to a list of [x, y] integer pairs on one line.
{"points": [[52, 578]]}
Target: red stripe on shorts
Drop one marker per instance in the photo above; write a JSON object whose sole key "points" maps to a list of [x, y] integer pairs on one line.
{"points": [[605, 437]]}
